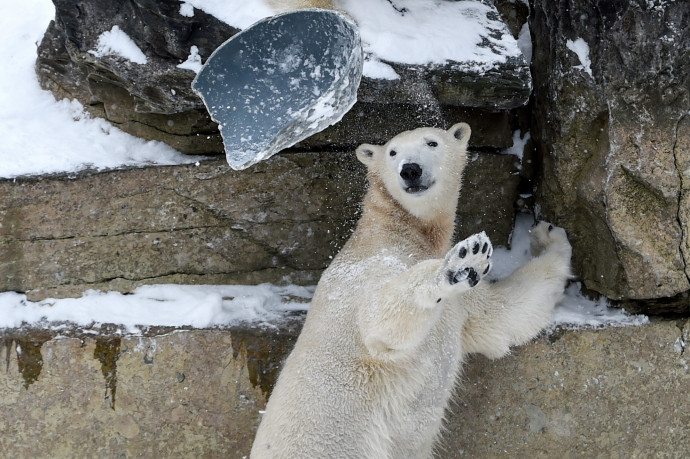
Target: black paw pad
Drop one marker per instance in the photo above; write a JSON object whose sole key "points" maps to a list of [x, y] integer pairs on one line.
{"points": [[487, 269], [550, 228], [475, 248], [485, 247], [462, 252], [473, 277]]}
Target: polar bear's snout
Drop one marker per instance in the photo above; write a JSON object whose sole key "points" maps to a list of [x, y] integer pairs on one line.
{"points": [[413, 178], [411, 172]]}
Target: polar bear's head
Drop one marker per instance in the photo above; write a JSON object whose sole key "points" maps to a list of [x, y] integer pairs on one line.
{"points": [[421, 169]]}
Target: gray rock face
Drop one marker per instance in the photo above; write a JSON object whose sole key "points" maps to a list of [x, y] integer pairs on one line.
{"points": [[281, 219], [154, 100], [615, 140]]}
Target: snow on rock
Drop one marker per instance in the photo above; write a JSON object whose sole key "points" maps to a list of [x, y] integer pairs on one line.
{"points": [[581, 49], [197, 306], [466, 32], [576, 310], [43, 136], [186, 9], [374, 68], [518, 147], [524, 42], [116, 42], [204, 306], [193, 62], [237, 13]]}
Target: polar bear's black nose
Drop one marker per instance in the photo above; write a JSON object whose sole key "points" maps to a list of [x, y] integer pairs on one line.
{"points": [[411, 172]]}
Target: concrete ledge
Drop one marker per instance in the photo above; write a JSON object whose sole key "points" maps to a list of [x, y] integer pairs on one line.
{"points": [[198, 393]]}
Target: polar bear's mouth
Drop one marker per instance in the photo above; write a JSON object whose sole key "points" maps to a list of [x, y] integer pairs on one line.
{"points": [[416, 189]]}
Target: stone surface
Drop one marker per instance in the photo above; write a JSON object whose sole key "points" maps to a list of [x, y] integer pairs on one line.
{"points": [[596, 393], [155, 101], [198, 393], [282, 219], [377, 123], [615, 144], [180, 395]]}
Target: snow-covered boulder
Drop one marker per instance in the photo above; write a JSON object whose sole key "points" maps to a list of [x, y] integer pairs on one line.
{"points": [[132, 62]]}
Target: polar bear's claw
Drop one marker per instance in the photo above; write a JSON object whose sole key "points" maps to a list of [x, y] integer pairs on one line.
{"points": [[469, 261]]}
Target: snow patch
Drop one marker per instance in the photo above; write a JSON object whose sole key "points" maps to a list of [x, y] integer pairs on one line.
{"points": [[524, 42], [451, 31], [581, 49], [193, 62], [374, 68], [237, 13], [197, 306], [116, 42], [186, 9], [576, 310], [43, 136], [518, 147]]}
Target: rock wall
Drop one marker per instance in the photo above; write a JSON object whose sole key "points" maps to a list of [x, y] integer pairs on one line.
{"points": [[200, 394], [614, 138], [280, 220]]}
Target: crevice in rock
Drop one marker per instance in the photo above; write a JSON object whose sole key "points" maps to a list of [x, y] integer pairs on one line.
{"points": [[681, 193], [121, 233], [681, 343], [153, 279]]}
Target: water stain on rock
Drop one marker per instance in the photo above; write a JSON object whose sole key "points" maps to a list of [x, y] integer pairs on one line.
{"points": [[107, 352], [29, 357], [266, 351]]}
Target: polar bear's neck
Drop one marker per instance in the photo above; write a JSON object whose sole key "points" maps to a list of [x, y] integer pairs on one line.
{"points": [[385, 218]]}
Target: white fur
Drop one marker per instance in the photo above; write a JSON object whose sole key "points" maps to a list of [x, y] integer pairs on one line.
{"points": [[398, 309]]}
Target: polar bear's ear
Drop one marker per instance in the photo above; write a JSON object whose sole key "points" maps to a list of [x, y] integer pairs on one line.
{"points": [[366, 153], [461, 132]]}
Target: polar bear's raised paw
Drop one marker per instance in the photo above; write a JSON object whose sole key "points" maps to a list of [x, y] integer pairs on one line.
{"points": [[468, 262]]}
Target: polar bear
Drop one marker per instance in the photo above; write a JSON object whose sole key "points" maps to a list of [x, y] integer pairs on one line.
{"points": [[398, 309]]}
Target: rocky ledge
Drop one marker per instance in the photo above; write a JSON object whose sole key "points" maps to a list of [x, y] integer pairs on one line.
{"points": [[182, 393], [154, 100], [205, 223]]}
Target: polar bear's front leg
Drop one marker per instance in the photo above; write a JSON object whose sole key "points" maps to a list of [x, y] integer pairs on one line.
{"points": [[406, 308], [514, 310]]}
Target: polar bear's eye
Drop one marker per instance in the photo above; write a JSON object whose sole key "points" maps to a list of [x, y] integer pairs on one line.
{"points": [[431, 143], [393, 153]]}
